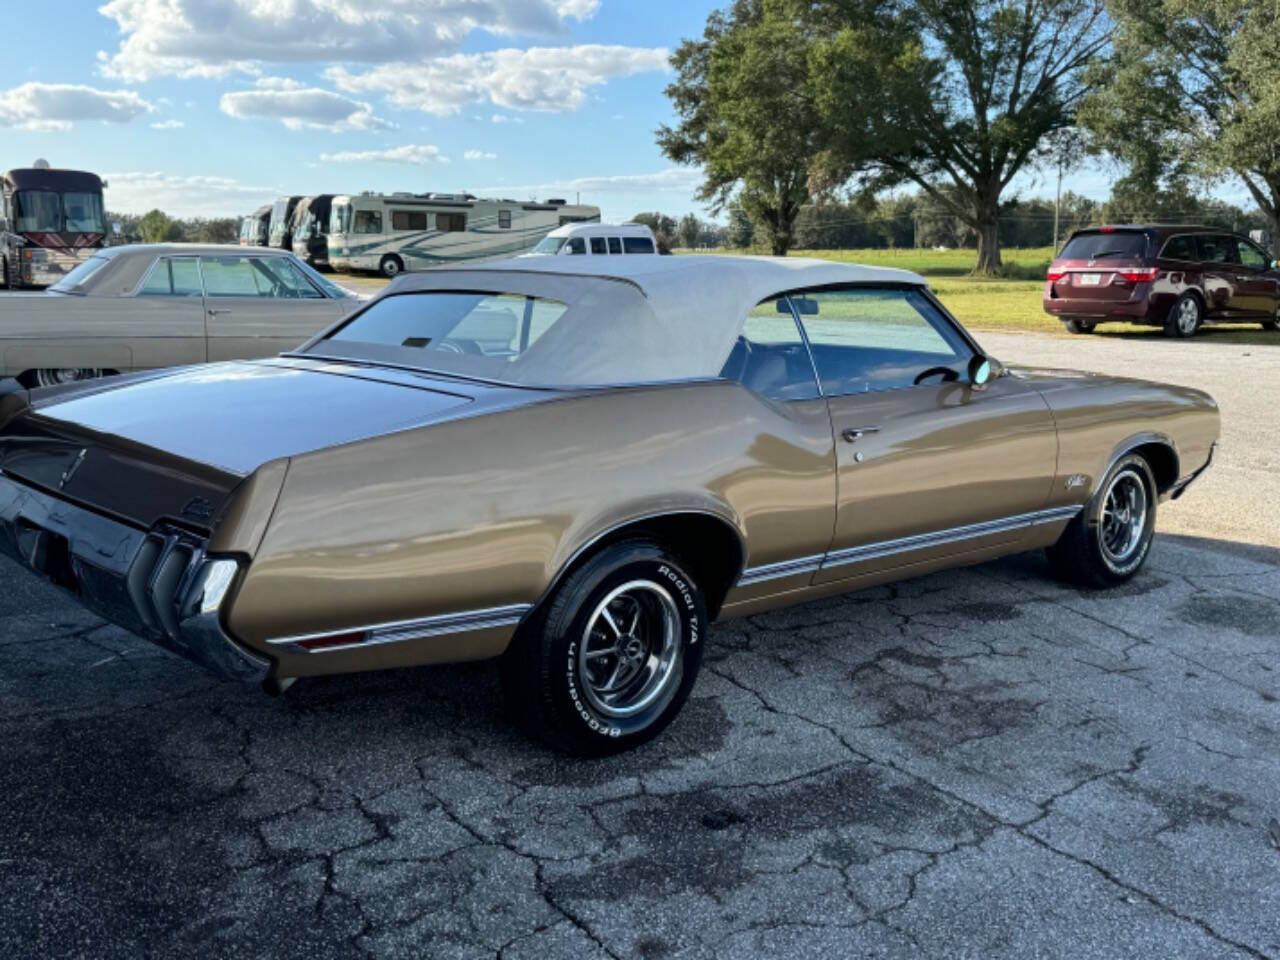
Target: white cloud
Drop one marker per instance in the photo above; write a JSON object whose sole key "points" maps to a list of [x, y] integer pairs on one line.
{"points": [[301, 107], [479, 155], [216, 37], [56, 106], [168, 125], [417, 154], [184, 196], [503, 118], [539, 78], [677, 179]]}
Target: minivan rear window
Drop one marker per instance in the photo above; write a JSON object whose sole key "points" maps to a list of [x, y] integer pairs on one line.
{"points": [[1114, 245]]}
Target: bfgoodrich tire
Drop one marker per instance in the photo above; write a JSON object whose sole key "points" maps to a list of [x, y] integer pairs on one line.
{"points": [[1109, 540], [611, 659]]}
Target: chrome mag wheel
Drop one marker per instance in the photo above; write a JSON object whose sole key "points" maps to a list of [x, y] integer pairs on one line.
{"points": [[1188, 316], [1124, 518], [630, 652], [53, 377]]}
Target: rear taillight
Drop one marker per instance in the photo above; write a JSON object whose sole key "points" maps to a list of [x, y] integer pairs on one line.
{"points": [[1146, 275], [1054, 275]]}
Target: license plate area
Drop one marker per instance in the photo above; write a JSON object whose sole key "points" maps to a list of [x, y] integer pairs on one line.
{"points": [[1089, 279]]}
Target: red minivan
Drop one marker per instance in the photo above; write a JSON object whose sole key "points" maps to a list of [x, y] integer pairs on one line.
{"points": [[1176, 277]]}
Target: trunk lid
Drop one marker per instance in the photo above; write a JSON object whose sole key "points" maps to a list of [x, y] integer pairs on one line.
{"points": [[174, 446]]}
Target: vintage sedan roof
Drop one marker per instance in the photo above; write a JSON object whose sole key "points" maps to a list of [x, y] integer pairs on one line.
{"points": [[630, 319], [126, 264]]}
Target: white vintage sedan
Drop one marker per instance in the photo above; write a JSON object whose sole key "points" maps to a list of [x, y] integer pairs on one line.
{"points": [[163, 305]]}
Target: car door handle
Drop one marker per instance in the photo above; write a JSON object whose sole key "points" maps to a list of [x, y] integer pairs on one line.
{"points": [[854, 434], [214, 313]]}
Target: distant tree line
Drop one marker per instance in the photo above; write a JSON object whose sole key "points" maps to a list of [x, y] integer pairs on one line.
{"points": [[156, 226], [785, 104]]}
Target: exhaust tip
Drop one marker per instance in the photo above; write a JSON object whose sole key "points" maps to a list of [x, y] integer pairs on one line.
{"points": [[274, 686]]}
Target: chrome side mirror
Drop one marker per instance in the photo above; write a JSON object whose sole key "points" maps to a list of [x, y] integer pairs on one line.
{"points": [[979, 372]]}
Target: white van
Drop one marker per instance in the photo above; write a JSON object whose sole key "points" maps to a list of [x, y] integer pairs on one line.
{"points": [[597, 239]]}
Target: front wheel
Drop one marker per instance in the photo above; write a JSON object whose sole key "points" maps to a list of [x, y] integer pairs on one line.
{"points": [[391, 267], [612, 659], [1185, 317], [1079, 326], [1109, 540]]}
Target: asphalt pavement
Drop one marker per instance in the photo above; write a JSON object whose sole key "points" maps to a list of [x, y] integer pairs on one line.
{"points": [[980, 763]]}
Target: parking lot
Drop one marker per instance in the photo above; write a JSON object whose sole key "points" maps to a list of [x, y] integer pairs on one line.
{"points": [[973, 764]]}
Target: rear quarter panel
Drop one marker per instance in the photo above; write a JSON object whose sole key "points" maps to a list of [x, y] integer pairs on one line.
{"points": [[484, 511]]}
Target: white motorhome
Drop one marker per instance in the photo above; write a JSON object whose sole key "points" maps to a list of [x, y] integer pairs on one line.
{"points": [[392, 233], [596, 240]]}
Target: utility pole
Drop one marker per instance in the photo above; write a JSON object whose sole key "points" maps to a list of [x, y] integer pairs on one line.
{"points": [[1057, 204]]}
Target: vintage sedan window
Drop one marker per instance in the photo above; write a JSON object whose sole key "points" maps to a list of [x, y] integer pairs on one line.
{"points": [[79, 276], [497, 326], [274, 277], [286, 279], [868, 338], [770, 356], [173, 277]]}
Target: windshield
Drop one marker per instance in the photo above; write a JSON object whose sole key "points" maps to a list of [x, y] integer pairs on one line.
{"points": [[340, 218], [72, 281], [1110, 245], [306, 230], [83, 212], [549, 245], [279, 221], [37, 210]]}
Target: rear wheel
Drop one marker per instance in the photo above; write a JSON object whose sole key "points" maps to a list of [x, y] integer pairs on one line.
{"points": [[1185, 317], [52, 377], [612, 659], [1273, 323], [1079, 326], [1109, 540], [391, 266]]}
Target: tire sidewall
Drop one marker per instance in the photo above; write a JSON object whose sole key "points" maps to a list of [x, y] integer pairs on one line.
{"points": [[591, 730], [1177, 309], [390, 260], [1118, 572]]}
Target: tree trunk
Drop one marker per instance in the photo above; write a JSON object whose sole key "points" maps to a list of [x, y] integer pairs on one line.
{"points": [[780, 236], [988, 228]]}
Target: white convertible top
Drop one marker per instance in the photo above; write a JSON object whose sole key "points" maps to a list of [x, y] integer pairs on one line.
{"points": [[683, 326]]}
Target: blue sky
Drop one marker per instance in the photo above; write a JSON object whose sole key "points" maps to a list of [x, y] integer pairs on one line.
{"points": [[212, 107]]}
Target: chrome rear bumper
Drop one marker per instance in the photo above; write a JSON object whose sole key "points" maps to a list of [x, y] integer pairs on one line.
{"points": [[157, 584]]}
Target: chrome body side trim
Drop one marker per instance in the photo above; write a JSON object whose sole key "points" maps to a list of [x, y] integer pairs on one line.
{"points": [[937, 538], [401, 630], [888, 548], [786, 568]]}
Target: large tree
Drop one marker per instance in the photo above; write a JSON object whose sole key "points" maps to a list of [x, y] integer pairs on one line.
{"points": [[966, 94], [746, 113], [1192, 90]]}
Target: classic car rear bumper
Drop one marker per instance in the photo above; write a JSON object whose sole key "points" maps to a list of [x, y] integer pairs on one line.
{"points": [[158, 584]]}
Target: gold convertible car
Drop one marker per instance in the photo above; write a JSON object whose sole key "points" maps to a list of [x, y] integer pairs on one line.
{"points": [[577, 466]]}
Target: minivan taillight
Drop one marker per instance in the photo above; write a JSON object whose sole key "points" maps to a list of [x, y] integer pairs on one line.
{"points": [[1054, 275], [1145, 275]]}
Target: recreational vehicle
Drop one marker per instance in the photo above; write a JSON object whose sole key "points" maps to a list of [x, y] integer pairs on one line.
{"points": [[253, 228], [395, 232], [51, 221], [311, 229], [280, 229]]}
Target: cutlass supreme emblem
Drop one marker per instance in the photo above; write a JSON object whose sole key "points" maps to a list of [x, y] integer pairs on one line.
{"points": [[70, 472]]}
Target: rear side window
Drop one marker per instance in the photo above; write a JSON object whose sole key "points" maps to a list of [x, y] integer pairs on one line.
{"points": [[597, 245], [637, 245], [173, 278], [1097, 246], [1180, 248], [615, 244]]}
